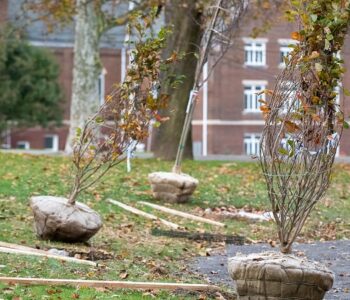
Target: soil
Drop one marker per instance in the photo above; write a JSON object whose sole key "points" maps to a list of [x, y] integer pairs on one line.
{"points": [[334, 254], [92, 255]]}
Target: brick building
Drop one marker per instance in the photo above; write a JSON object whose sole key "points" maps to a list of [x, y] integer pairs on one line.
{"points": [[227, 118]]}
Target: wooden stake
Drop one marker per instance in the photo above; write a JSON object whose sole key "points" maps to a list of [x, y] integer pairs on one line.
{"points": [[109, 284], [21, 247], [144, 214], [48, 255], [182, 214]]}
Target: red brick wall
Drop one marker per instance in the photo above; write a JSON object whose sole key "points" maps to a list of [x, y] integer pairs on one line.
{"points": [[3, 10], [111, 61], [225, 97], [35, 136]]}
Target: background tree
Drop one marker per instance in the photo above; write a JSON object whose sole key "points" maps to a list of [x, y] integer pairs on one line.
{"points": [[29, 90], [188, 21], [185, 18], [92, 20]]}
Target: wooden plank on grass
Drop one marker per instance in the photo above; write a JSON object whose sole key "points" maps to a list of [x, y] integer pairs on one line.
{"points": [[182, 214], [109, 284], [21, 247], [47, 255], [144, 214]]}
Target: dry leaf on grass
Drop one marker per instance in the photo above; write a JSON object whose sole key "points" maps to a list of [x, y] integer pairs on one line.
{"points": [[123, 275]]}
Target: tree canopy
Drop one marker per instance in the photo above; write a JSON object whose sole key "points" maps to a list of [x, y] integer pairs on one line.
{"points": [[29, 90]]}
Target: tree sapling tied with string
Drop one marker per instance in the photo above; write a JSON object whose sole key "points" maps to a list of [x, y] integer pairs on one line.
{"points": [[220, 20], [303, 127], [102, 142]]}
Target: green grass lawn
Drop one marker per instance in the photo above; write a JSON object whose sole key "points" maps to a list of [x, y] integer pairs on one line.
{"points": [[139, 255]]}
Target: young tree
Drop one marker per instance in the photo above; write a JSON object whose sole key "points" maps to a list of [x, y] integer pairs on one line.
{"points": [[303, 120], [102, 141], [29, 90], [303, 126], [221, 18]]}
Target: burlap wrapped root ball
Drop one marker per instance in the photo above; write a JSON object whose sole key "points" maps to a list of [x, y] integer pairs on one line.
{"points": [[56, 219], [172, 187], [272, 276]]}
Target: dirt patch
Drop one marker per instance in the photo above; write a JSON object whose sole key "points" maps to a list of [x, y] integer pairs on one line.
{"points": [[92, 255], [197, 236]]}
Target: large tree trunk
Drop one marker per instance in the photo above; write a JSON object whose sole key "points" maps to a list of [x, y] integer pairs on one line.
{"points": [[87, 67], [185, 38]]}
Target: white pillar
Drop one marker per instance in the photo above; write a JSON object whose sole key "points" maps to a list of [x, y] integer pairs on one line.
{"points": [[123, 64], [205, 111]]}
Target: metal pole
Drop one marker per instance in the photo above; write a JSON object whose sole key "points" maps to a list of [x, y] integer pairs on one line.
{"points": [[194, 92]]}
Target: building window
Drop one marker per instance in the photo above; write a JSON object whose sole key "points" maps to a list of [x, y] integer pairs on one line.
{"points": [[101, 86], [251, 97], [25, 145], [337, 91], [140, 147], [289, 92], [254, 52], [251, 144], [285, 50], [51, 142]]}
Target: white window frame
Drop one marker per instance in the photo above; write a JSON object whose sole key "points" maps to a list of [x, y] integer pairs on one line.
{"points": [[285, 49], [101, 86], [251, 143], [25, 143], [291, 98], [252, 95], [140, 147], [55, 142], [337, 90], [339, 55], [257, 50]]}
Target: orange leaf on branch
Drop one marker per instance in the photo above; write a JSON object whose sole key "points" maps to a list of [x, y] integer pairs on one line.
{"points": [[316, 117], [161, 119], [265, 109], [296, 36], [314, 55], [291, 127], [266, 92], [172, 58]]}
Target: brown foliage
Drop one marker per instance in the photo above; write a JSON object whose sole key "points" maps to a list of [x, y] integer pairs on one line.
{"points": [[125, 116]]}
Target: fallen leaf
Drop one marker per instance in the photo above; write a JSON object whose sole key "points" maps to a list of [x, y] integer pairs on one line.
{"points": [[272, 243], [123, 275]]}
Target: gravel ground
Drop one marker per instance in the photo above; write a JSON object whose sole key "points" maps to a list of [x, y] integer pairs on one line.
{"points": [[335, 255]]}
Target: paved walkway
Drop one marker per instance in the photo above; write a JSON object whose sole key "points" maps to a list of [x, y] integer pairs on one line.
{"points": [[335, 255]]}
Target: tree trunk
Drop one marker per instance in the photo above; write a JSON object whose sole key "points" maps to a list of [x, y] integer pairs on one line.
{"points": [[87, 67], [185, 38]]}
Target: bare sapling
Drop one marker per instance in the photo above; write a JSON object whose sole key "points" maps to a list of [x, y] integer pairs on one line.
{"points": [[304, 121], [303, 127], [123, 119], [220, 20]]}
